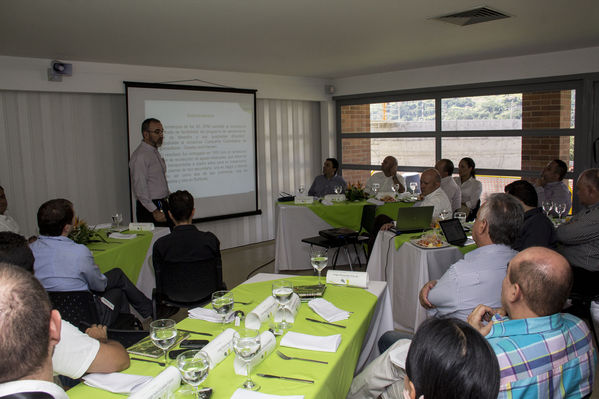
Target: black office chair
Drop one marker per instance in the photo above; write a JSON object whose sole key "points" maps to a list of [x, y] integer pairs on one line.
{"points": [[472, 215], [186, 284], [79, 309], [344, 240]]}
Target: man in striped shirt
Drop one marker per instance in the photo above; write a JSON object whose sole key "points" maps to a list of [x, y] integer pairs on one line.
{"points": [[542, 353]]}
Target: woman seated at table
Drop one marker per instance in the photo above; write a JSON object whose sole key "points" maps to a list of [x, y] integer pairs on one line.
{"points": [[470, 187], [325, 184], [447, 358]]}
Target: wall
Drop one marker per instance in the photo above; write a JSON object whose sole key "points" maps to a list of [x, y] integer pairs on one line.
{"points": [[530, 66]]}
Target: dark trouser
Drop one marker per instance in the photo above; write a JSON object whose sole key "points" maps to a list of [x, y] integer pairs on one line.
{"points": [[391, 337], [121, 292], [145, 216], [585, 282]]}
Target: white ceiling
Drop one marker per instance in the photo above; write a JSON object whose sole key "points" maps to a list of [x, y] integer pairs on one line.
{"points": [[312, 38]]}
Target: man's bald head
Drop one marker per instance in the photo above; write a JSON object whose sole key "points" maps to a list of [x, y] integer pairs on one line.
{"points": [[430, 180], [544, 277]]}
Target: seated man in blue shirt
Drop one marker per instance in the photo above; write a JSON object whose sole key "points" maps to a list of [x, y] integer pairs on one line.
{"points": [[542, 353], [63, 265], [326, 183]]}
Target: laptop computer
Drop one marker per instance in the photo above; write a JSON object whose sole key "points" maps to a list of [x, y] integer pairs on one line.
{"points": [[454, 232], [414, 219]]}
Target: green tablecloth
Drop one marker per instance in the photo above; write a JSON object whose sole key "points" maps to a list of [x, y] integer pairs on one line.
{"points": [[332, 381], [349, 214], [129, 255]]}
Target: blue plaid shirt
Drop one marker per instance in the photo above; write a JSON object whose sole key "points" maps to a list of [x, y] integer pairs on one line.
{"points": [[543, 357]]}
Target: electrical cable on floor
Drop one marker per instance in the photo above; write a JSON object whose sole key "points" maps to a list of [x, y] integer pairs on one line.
{"points": [[258, 268]]}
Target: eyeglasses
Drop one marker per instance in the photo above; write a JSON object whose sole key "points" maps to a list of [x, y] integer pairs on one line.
{"points": [[157, 131]]}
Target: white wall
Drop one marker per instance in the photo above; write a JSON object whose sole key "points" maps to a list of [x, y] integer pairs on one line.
{"points": [[18, 73], [530, 66]]}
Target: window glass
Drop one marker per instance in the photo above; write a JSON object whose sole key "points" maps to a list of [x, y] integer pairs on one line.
{"points": [[497, 112]]}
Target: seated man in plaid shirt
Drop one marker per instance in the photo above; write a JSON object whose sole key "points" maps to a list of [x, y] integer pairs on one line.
{"points": [[542, 353]]}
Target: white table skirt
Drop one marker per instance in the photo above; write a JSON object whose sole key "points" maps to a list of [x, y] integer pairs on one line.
{"points": [[406, 270], [295, 223], [146, 281], [382, 319]]}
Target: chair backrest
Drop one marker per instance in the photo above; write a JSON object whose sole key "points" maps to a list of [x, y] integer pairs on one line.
{"points": [[368, 216], [76, 307], [472, 215], [188, 282]]}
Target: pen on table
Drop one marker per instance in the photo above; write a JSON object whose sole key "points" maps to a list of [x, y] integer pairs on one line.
{"points": [[194, 332], [324, 322]]}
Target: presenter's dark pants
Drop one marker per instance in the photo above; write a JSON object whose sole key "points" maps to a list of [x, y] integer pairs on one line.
{"points": [[121, 292], [145, 216]]}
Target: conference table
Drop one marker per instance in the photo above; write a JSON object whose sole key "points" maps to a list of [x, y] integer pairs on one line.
{"points": [[296, 222], [370, 318], [406, 268], [133, 256]]}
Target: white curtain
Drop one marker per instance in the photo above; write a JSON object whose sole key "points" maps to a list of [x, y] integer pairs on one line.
{"points": [[74, 146]]}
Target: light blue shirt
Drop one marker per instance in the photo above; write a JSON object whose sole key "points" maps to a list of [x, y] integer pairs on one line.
{"points": [[471, 281], [62, 265]]}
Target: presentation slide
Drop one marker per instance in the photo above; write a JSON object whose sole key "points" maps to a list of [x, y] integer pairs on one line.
{"points": [[209, 143]]}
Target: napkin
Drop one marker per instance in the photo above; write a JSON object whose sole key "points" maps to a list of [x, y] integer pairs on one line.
{"points": [[161, 386], [209, 315], [101, 226], [260, 313], [267, 346], [121, 236], [245, 394], [327, 310], [311, 342], [116, 382]]}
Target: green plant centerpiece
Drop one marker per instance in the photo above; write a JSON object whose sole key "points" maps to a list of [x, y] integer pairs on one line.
{"points": [[355, 192], [83, 234]]}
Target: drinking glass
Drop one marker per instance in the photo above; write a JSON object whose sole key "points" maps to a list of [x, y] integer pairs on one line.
{"points": [[461, 216], [395, 188], [301, 188], [319, 259], [117, 218], [338, 189], [164, 334], [547, 206], [246, 344], [222, 303], [375, 189], [282, 291], [194, 366], [560, 208], [444, 214], [413, 186]]}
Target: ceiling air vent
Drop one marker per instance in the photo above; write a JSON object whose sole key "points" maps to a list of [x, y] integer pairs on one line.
{"points": [[474, 16]]}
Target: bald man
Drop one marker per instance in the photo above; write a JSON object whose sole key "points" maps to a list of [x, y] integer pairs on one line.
{"points": [[387, 178], [542, 353], [431, 192]]}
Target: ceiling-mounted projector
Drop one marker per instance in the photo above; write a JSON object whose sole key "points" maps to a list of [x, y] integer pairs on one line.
{"points": [[58, 69]]}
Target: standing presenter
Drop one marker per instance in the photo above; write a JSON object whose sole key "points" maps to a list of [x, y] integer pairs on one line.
{"points": [[148, 176]]}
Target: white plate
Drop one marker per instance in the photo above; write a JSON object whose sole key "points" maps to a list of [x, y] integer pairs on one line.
{"points": [[414, 241]]}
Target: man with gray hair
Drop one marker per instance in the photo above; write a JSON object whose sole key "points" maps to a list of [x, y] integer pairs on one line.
{"points": [[29, 331], [477, 278]]}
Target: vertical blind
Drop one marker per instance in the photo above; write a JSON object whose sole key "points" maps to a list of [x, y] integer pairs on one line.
{"points": [[74, 146]]}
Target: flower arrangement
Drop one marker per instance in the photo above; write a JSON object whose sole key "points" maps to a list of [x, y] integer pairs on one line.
{"points": [[83, 234], [355, 192]]}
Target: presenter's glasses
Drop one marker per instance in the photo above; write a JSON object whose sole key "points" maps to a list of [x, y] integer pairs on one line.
{"points": [[157, 131]]}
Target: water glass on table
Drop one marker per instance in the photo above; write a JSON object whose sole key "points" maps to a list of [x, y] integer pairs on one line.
{"points": [[246, 344], [547, 207], [461, 216], [194, 366], [222, 303], [318, 259], [282, 291], [163, 333]]}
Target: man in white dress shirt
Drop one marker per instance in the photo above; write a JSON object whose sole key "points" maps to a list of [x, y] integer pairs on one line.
{"points": [[431, 192], [29, 331], [445, 169], [387, 178], [7, 223]]}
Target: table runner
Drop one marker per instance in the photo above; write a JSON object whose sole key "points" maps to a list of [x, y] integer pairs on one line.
{"points": [[129, 255], [331, 381]]}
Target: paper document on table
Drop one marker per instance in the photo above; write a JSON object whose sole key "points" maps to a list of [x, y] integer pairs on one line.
{"points": [[116, 382], [311, 342], [220, 347], [327, 310], [267, 346]]}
